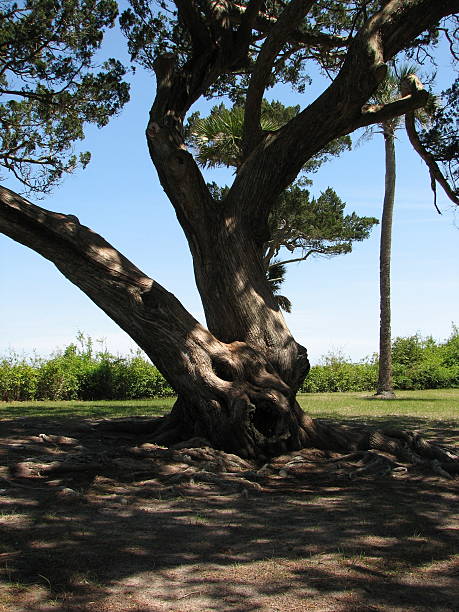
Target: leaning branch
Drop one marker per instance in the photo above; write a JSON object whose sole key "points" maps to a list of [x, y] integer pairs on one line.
{"points": [[151, 315], [410, 85], [436, 175]]}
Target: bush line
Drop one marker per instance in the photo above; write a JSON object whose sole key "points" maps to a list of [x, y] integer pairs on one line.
{"points": [[80, 373]]}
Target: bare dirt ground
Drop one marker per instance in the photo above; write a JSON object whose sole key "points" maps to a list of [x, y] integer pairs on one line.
{"points": [[102, 521]]}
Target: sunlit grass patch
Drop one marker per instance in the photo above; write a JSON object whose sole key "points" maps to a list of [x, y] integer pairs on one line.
{"points": [[436, 403], [441, 404]]}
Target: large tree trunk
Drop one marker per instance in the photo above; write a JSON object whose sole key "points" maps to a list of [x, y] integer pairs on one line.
{"points": [[230, 391], [385, 387]]}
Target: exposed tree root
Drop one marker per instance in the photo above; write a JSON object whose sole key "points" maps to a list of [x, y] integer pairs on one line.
{"points": [[115, 448]]}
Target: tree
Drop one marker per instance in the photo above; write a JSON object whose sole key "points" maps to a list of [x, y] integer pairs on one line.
{"points": [[236, 380], [305, 227], [48, 87], [388, 91]]}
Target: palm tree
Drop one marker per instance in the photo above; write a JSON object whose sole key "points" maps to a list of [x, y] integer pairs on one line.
{"points": [[388, 91]]}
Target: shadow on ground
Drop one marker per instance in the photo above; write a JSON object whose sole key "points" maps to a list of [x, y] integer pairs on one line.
{"points": [[125, 544]]}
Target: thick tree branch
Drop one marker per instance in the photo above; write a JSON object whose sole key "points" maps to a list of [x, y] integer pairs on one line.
{"points": [[414, 98], [179, 174], [247, 21], [288, 21], [279, 156], [152, 316], [189, 15]]}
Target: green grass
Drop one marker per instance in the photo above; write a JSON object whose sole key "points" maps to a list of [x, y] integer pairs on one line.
{"points": [[108, 408], [432, 404]]}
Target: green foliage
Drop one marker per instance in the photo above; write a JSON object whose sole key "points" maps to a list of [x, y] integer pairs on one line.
{"points": [[418, 363], [18, 379], [423, 363], [50, 86], [275, 275], [217, 138], [408, 351], [451, 348], [336, 373], [80, 372], [316, 226]]}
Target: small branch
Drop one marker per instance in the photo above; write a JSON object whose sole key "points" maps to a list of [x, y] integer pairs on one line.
{"points": [[296, 259], [286, 23], [40, 161], [31, 95]]}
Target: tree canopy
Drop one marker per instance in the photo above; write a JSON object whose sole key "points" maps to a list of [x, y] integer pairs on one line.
{"points": [[50, 84]]}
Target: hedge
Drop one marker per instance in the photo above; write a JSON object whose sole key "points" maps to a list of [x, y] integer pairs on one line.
{"points": [[80, 373]]}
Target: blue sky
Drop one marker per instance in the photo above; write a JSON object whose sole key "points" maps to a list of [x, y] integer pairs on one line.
{"points": [[335, 301]]}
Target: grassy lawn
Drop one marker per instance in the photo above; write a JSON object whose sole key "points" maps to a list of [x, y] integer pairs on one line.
{"points": [[431, 404], [434, 403]]}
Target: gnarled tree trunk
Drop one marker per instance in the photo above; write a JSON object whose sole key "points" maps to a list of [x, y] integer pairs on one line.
{"points": [[230, 392]]}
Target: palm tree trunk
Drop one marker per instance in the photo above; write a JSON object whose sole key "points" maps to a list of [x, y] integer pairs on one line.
{"points": [[385, 387]]}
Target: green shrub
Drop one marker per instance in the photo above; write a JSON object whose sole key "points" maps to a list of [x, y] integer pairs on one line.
{"points": [[340, 376], [406, 351], [137, 378], [423, 363], [18, 380], [450, 349], [80, 372]]}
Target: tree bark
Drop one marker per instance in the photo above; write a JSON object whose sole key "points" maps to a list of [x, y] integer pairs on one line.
{"points": [[229, 393], [385, 387]]}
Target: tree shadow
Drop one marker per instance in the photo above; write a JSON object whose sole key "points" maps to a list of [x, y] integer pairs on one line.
{"points": [[130, 544]]}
